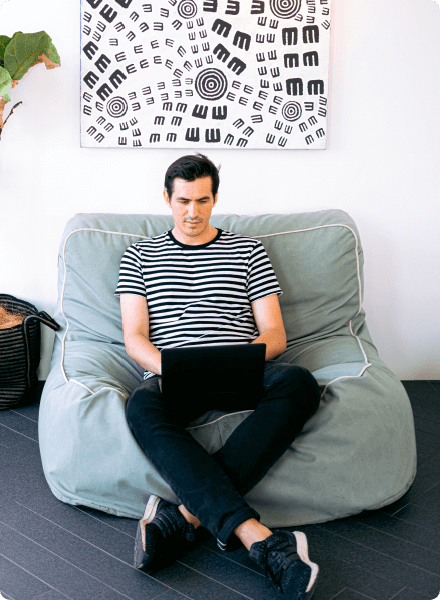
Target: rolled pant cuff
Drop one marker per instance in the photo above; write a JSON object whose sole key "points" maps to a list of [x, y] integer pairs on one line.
{"points": [[226, 539]]}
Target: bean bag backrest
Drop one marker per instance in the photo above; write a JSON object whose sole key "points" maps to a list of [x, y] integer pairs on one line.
{"points": [[317, 258]]}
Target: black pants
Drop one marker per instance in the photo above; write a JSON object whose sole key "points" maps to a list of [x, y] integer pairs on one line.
{"points": [[211, 487]]}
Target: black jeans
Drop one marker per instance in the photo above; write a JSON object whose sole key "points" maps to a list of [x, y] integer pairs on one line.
{"points": [[211, 487]]}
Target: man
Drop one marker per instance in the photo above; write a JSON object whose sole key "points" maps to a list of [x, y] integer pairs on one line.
{"points": [[192, 286]]}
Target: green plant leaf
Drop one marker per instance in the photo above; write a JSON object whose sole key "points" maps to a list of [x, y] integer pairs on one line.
{"points": [[4, 41], [5, 84], [23, 51], [52, 54]]}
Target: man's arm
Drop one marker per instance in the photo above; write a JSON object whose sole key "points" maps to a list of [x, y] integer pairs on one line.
{"points": [[267, 315], [135, 324]]}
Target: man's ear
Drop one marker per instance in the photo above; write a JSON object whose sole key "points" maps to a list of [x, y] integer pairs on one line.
{"points": [[167, 198], [215, 199]]}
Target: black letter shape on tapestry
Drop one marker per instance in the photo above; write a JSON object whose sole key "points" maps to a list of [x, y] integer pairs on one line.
{"points": [[233, 7], [291, 60], [200, 112], [90, 50], [242, 40], [237, 66], [219, 113], [108, 14], [221, 52], [210, 5], [192, 134], [257, 7], [102, 63], [311, 59], [295, 87], [90, 79], [124, 3], [221, 27], [315, 87], [212, 136], [117, 78], [290, 36], [94, 3], [311, 34], [104, 91]]}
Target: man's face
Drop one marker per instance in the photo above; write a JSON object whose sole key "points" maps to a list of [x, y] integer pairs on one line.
{"points": [[191, 204]]}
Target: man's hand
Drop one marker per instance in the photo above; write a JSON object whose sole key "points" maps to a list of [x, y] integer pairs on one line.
{"points": [[135, 323], [267, 315]]}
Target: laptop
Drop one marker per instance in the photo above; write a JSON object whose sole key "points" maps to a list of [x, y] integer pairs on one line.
{"points": [[228, 377]]}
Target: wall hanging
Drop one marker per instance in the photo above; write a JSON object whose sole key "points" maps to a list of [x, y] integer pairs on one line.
{"points": [[17, 55], [205, 73]]}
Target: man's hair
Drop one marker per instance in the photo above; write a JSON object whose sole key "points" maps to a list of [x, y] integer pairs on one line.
{"points": [[190, 168]]}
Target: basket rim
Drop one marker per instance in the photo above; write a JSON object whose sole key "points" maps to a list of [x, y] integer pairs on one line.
{"points": [[32, 310]]}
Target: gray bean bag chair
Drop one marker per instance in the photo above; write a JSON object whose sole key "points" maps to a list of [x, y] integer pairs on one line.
{"points": [[357, 452]]}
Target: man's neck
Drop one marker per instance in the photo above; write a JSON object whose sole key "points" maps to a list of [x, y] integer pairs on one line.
{"points": [[207, 236]]}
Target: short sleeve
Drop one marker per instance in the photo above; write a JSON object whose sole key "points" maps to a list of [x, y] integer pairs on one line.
{"points": [[131, 280], [261, 278]]}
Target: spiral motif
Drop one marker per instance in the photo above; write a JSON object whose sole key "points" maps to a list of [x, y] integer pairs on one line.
{"points": [[291, 111], [187, 9], [117, 107], [285, 9], [211, 84]]}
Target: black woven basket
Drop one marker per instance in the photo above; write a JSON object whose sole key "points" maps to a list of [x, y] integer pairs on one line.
{"points": [[20, 353]]}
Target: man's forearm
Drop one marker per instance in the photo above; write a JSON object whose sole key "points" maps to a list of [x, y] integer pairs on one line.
{"points": [[144, 353], [275, 340]]}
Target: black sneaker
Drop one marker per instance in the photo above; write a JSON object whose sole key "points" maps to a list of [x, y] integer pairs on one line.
{"points": [[285, 560], [162, 534]]}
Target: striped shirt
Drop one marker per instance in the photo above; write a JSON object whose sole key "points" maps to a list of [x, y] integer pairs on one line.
{"points": [[198, 295]]}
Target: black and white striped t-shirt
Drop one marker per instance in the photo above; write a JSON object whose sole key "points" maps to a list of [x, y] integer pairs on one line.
{"points": [[198, 295]]}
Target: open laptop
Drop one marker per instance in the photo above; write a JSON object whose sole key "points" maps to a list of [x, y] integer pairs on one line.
{"points": [[219, 377]]}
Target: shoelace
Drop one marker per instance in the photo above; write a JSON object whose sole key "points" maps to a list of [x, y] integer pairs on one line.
{"points": [[276, 564]]}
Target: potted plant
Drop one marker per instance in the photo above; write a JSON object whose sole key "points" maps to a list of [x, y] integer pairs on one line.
{"points": [[17, 55]]}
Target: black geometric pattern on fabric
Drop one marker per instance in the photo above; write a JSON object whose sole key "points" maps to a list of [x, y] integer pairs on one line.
{"points": [[205, 73]]}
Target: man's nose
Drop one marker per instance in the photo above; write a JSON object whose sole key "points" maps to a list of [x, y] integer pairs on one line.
{"points": [[192, 210]]}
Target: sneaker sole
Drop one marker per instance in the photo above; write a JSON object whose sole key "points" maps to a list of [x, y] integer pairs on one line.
{"points": [[303, 553], [149, 514], [140, 542]]}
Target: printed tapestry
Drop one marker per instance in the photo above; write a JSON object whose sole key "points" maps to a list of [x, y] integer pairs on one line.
{"points": [[205, 73]]}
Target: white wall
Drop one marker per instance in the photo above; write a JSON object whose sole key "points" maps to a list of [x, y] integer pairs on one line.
{"points": [[382, 166]]}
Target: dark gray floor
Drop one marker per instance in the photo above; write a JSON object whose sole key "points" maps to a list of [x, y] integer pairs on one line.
{"points": [[55, 551]]}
